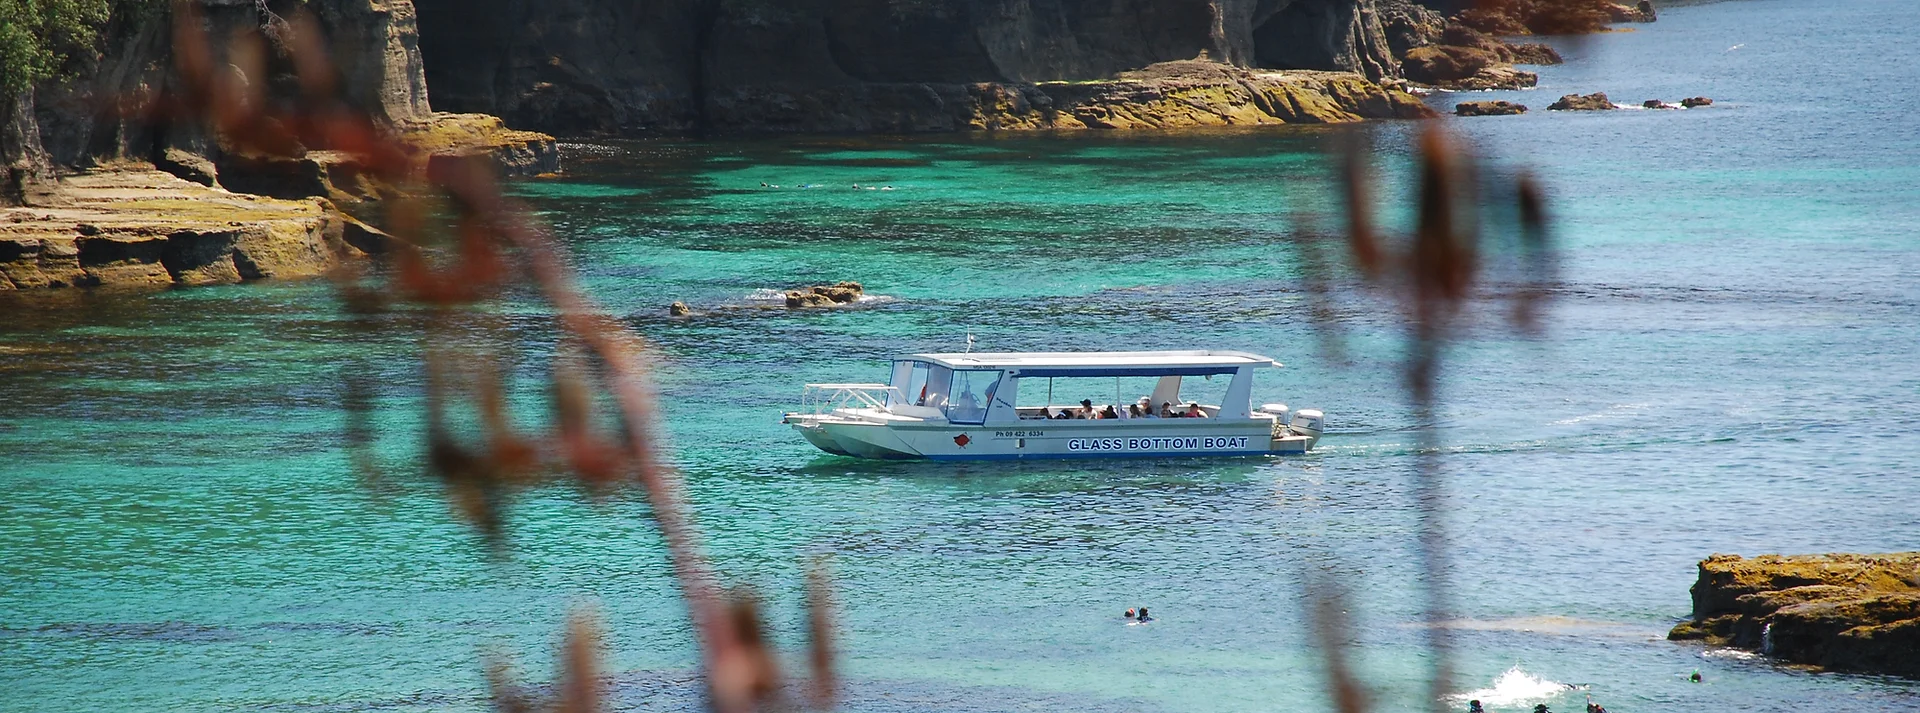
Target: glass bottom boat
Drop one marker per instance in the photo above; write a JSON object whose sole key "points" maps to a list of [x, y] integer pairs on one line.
{"points": [[985, 406]]}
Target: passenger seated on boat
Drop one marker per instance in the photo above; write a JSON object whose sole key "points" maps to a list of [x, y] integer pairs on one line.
{"points": [[1065, 413], [1166, 410], [1041, 414], [1108, 412], [1086, 410], [1133, 411], [1193, 410]]}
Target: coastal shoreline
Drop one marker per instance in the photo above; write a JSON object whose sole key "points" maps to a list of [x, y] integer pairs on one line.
{"points": [[1286, 65]]}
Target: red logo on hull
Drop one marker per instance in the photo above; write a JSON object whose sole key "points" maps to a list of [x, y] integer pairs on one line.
{"points": [[962, 440]]}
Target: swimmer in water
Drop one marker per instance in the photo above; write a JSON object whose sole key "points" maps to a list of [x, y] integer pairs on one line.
{"points": [[1542, 708], [1473, 706], [1143, 616], [1129, 614], [1695, 677]]}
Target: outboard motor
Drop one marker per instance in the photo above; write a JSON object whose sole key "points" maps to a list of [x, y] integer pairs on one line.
{"points": [[1277, 411], [1308, 422]]}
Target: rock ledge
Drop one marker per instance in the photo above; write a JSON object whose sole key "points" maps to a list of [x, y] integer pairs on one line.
{"points": [[139, 226], [1843, 612]]}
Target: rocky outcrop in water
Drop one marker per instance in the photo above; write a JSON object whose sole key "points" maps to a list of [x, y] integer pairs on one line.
{"points": [[1545, 17], [1488, 108], [1446, 54], [838, 293], [1596, 101], [1691, 102], [1837, 611]]}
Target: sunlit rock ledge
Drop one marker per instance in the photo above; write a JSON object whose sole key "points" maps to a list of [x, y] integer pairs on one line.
{"points": [[1843, 612], [130, 226], [1168, 95]]}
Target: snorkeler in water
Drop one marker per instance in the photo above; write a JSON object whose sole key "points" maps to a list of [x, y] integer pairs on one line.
{"points": [[1143, 616], [1473, 706]]}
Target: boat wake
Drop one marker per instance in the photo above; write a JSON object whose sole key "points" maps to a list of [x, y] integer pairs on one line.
{"points": [[1514, 687], [1614, 411]]}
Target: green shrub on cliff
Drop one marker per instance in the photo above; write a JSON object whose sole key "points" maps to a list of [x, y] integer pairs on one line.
{"points": [[36, 37]]}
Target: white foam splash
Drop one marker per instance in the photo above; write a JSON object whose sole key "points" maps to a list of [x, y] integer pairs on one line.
{"points": [[1515, 687], [768, 296], [1611, 412], [1735, 654]]}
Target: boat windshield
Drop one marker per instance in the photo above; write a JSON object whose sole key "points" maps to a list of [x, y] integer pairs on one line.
{"points": [[972, 392]]}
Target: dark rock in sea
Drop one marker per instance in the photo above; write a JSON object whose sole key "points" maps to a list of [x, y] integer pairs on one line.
{"points": [[1691, 102], [1488, 108], [1546, 17], [825, 295], [1466, 67], [1596, 101], [1444, 64], [1837, 611], [1656, 104], [1458, 35]]}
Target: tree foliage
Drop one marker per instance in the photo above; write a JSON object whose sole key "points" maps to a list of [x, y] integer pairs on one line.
{"points": [[37, 37]]}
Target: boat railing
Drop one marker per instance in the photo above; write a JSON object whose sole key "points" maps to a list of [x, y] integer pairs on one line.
{"points": [[823, 399]]}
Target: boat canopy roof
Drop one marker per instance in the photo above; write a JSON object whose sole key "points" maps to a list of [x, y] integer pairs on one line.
{"points": [[1042, 364]]}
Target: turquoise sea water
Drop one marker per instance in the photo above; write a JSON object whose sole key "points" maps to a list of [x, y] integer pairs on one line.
{"points": [[1729, 368]]}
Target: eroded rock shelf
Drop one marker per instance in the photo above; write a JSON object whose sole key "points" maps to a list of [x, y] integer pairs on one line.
{"points": [[1844, 612]]}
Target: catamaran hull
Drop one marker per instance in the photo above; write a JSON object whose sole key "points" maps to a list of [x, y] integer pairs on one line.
{"points": [[1050, 439]]}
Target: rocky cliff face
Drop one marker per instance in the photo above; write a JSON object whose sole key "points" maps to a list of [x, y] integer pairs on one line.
{"points": [[579, 66], [1838, 611], [373, 45], [85, 230]]}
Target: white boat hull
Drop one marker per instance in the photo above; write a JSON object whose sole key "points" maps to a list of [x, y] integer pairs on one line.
{"points": [[857, 434]]}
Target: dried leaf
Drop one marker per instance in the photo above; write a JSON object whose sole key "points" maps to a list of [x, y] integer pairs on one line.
{"points": [[825, 685], [580, 661]]}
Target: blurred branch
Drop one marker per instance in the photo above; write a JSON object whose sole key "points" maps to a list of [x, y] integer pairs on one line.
{"points": [[1435, 281]]}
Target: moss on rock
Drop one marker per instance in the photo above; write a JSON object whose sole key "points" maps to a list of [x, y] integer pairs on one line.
{"points": [[1838, 611]]}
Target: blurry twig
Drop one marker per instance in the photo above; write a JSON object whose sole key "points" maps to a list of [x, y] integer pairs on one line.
{"points": [[1433, 279], [445, 266]]}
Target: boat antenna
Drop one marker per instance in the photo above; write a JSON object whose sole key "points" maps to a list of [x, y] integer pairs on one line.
{"points": [[969, 340]]}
